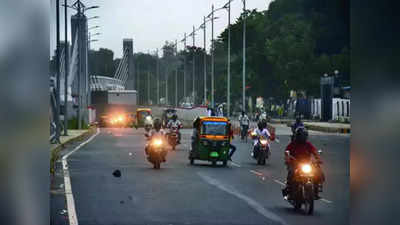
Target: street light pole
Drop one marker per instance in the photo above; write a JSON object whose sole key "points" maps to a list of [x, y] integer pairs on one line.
{"points": [[205, 62], [184, 68], [229, 62], [148, 87], [66, 69], [212, 56], [58, 128], [194, 72], [158, 80], [176, 74], [244, 58]]}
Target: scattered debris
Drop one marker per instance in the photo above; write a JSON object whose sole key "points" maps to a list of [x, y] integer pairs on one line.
{"points": [[117, 173]]}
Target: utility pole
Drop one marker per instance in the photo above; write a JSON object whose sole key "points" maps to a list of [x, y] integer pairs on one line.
{"points": [[205, 62], [176, 74], [66, 69], [148, 87], [166, 81], [212, 56], [79, 67], [194, 72], [184, 68], [244, 58], [158, 80], [229, 62], [58, 89]]}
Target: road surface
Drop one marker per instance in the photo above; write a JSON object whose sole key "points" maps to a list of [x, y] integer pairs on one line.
{"points": [[180, 194]]}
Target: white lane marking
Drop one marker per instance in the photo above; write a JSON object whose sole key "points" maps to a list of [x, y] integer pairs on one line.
{"points": [[280, 182], [235, 164], [252, 203], [326, 201], [256, 172], [277, 140], [73, 220], [322, 199]]}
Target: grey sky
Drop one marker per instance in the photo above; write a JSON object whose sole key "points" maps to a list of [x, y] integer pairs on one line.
{"points": [[151, 22]]}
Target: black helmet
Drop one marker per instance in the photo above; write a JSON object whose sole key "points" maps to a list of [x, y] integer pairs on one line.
{"points": [[301, 134], [157, 124], [243, 113], [260, 125], [174, 117], [264, 122]]}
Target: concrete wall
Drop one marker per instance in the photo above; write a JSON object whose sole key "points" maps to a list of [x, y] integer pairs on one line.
{"points": [[122, 97]]}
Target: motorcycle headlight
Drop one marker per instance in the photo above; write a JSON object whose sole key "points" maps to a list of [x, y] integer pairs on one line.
{"points": [[306, 168], [148, 118], [157, 142], [264, 142]]}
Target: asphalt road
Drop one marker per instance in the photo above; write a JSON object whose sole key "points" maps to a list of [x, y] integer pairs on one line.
{"points": [[242, 193]]}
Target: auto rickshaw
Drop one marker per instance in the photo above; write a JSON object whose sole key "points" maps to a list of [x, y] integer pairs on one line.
{"points": [[212, 140], [142, 114]]}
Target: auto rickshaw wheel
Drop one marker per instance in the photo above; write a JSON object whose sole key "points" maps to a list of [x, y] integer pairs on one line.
{"points": [[214, 162]]}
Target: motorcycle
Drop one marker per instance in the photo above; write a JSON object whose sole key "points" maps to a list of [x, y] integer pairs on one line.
{"points": [[156, 151], [304, 189], [261, 150], [148, 123], [172, 137]]}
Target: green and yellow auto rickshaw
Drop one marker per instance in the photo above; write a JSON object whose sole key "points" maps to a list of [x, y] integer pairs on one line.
{"points": [[143, 118], [211, 142]]}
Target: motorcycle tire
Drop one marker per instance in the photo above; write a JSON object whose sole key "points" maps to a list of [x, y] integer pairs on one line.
{"points": [[191, 161], [309, 199], [214, 163]]}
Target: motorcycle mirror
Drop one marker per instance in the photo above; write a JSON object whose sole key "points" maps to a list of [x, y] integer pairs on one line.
{"points": [[320, 152]]}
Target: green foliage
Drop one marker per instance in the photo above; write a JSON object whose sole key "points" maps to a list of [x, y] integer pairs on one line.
{"points": [[288, 47]]}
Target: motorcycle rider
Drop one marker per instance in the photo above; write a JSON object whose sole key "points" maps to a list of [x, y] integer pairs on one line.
{"points": [[157, 131], [302, 150], [260, 131], [174, 122], [244, 122]]}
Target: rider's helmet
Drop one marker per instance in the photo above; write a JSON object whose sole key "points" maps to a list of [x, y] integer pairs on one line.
{"points": [[264, 122], [243, 113], [260, 125], [157, 124], [174, 117], [301, 134]]}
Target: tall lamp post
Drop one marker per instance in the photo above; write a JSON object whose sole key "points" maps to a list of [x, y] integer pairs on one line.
{"points": [[66, 66], [57, 119], [244, 58]]}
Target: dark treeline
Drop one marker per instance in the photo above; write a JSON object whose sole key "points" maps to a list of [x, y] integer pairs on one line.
{"points": [[288, 47]]}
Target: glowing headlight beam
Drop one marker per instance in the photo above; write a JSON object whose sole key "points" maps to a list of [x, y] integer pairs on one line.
{"points": [[306, 168]]}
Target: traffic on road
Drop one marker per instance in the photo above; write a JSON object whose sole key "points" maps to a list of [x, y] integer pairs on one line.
{"points": [[198, 181]]}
